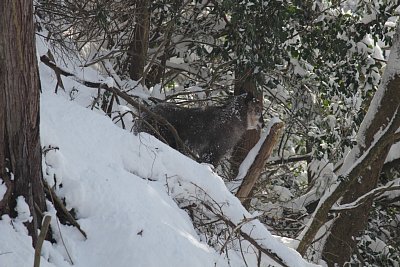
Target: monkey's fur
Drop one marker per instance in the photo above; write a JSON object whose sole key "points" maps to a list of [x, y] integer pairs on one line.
{"points": [[209, 132]]}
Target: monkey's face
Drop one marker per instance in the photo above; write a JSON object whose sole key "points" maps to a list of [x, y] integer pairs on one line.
{"points": [[254, 115]]}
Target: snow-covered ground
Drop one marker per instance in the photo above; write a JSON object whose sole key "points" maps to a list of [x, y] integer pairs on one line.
{"points": [[122, 188]]}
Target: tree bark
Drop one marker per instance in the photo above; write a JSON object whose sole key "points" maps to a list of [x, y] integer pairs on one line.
{"points": [[140, 40], [20, 150]]}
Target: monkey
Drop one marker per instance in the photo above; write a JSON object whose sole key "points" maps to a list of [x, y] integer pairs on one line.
{"points": [[209, 132]]}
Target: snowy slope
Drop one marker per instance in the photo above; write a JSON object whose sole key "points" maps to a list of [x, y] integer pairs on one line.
{"points": [[122, 188], [113, 203]]}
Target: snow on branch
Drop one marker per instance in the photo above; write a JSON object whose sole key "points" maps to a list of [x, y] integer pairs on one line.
{"points": [[377, 192]]}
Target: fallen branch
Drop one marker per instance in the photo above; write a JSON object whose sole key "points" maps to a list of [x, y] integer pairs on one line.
{"points": [[246, 236], [216, 209]]}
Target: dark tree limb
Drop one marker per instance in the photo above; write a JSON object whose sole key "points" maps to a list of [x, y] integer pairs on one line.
{"points": [[140, 40], [290, 159], [371, 195], [383, 116], [58, 74]]}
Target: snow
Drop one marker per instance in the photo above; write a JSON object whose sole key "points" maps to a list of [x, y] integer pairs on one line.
{"points": [[124, 191], [3, 190], [394, 153], [15, 245], [22, 209]]}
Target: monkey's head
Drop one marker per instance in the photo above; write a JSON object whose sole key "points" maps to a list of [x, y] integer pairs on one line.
{"points": [[254, 113]]}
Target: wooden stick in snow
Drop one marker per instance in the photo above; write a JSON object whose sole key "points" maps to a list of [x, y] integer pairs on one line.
{"points": [[259, 162], [42, 236]]}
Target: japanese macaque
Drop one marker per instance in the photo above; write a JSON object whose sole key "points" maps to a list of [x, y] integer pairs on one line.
{"points": [[208, 132]]}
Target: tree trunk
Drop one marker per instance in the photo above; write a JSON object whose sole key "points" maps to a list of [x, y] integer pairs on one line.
{"points": [[244, 84], [20, 153], [361, 168], [341, 243], [140, 40]]}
